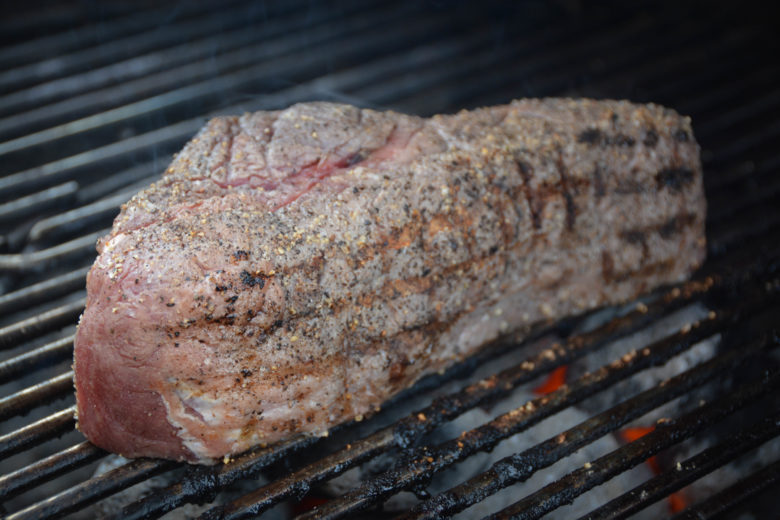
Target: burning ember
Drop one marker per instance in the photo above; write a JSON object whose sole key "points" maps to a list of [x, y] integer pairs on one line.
{"points": [[676, 501], [554, 381]]}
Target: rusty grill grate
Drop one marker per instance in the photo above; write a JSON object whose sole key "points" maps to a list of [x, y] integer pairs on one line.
{"points": [[94, 99]]}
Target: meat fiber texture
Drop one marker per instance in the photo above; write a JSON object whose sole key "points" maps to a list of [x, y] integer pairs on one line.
{"points": [[292, 270]]}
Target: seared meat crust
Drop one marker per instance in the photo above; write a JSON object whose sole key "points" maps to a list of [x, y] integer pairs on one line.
{"points": [[294, 269]]}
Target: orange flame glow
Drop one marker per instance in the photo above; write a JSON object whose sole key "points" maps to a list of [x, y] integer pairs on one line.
{"points": [[676, 500], [555, 380]]}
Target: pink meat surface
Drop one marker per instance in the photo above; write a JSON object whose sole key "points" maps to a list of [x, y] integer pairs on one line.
{"points": [[295, 269]]}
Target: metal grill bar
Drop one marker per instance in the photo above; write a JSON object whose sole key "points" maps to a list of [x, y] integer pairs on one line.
{"points": [[227, 25], [282, 41], [758, 106], [723, 157], [83, 216], [24, 400], [740, 173], [93, 490], [723, 203], [739, 264], [36, 358], [725, 105], [120, 21], [515, 79], [754, 142], [622, 55], [297, 484], [760, 219], [204, 482], [722, 110], [731, 50], [555, 52], [43, 291], [36, 21], [522, 466], [565, 490], [215, 18], [744, 195], [41, 176], [127, 19], [686, 472], [756, 76], [44, 258], [37, 432], [121, 179], [392, 93], [60, 463], [734, 495], [553, 57], [747, 196], [12, 335], [238, 67], [428, 461], [739, 146], [24, 207], [351, 47]]}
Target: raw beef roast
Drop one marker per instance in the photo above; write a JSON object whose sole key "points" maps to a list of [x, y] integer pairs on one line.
{"points": [[294, 269]]}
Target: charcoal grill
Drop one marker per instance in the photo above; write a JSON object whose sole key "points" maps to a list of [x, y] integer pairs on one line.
{"points": [[94, 99]]}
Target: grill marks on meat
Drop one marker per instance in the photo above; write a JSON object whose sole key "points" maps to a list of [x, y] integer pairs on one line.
{"points": [[293, 270]]}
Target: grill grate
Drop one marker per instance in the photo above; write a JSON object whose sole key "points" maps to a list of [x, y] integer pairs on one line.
{"points": [[565, 489], [736, 494], [690, 470], [120, 89]]}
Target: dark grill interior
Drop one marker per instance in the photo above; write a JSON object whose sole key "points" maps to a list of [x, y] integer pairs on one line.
{"points": [[95, 97]]}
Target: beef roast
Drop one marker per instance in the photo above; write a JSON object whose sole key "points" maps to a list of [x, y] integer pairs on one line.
{"points": [[294, 269]]}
